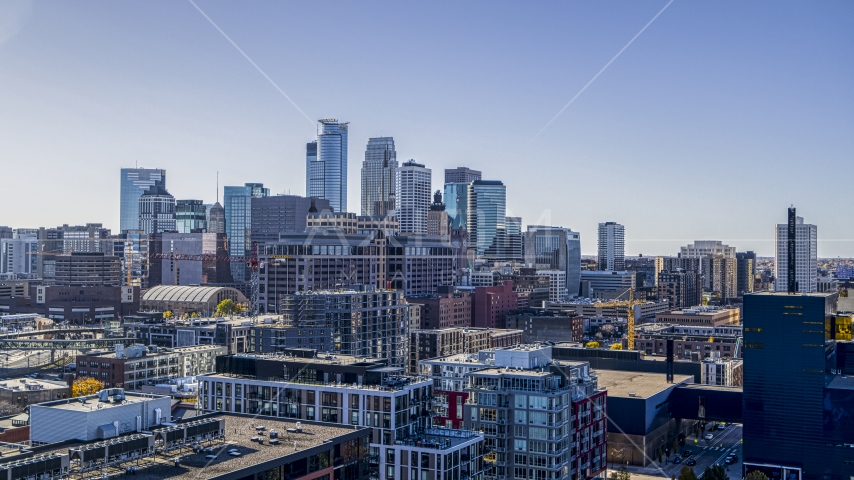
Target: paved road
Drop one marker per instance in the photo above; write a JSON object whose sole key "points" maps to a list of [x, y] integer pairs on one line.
{"points": [[709, 452], [705, 453]]}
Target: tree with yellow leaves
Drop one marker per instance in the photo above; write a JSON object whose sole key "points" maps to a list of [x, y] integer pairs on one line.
{"points": [[167, 314], [617, 346], [592, 345], [84, 386]]}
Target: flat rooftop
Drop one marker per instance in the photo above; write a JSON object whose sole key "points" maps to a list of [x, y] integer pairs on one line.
{"points": [[787, 294], [642, 385], [238, 434], [93, 403], [239, 431], [842, 383], [511, 371], [23, 384]]}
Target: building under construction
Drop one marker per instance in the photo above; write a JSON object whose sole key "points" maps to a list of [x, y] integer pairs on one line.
{"points": [[361, 321]]}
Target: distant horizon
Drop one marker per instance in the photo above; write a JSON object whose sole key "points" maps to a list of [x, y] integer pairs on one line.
{"points": [[678, 120]]}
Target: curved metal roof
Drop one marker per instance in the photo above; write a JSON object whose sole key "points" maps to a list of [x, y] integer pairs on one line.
{"points": [[178, 293]]}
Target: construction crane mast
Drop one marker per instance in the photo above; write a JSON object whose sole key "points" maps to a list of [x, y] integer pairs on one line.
{"points": [[630, 305]]}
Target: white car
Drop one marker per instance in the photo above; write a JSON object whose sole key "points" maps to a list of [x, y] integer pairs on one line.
{"points": [[709, 436]]}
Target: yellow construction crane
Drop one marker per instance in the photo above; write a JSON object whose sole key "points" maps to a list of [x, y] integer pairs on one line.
{"points": [[630, 314]]}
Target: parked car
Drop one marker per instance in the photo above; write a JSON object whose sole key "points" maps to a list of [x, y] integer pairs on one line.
{"points": [[677, 460], [729, 460], [709, 436], [686, 453], [691, 462]]}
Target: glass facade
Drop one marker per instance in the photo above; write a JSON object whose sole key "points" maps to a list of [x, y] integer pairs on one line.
{"points": [[487, 200], [456, 204], [326, 164], [555, 248], [134, 182], [238, 223], [190, 215], [378, 176]]}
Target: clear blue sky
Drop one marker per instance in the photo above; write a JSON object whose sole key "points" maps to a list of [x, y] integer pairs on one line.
{"points": [[709, 125]]}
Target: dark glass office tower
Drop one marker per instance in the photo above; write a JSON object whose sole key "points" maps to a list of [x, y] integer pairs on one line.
{"points": [[789, 374]]}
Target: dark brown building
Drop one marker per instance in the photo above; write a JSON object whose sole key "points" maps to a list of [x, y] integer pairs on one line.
{"points": [[444, 310], [544, 325]]}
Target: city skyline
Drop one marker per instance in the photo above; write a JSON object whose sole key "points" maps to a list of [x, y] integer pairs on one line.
{"points": [[109, 111]]}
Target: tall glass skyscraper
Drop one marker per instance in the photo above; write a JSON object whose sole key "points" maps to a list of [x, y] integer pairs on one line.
{"points": [[238, 222], [326, 164], [456, 204], [487, 205], [378, 176], [134, 182], [190, 215], [555, 248]]}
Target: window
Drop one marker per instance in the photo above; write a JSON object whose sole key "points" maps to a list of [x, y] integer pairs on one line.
{"points": [[309, 413], [520, 445], [521, 416]]}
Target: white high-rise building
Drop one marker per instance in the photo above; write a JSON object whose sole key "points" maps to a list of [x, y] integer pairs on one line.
{"points": [[803, 245], [19, 255], [612, 247], [557, 284], [412, 187]]}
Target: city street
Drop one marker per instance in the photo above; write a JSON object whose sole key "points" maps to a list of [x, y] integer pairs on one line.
{"points": [[704, 452]]}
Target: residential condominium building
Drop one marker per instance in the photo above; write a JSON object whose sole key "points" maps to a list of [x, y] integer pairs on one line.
{"points": [[796, 263], [300, 384], [412, 196], [680, 289], [491, 305], [366, 322], [721, 275], [447, 308], [378, 172], [541, 417], [326, 164], [694, 343], [557, 284], [427, 344], [612, 247], [746, 269]]}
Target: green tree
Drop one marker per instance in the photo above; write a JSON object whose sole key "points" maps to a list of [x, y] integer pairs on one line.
{"points": [[716, 472], [756, 475], [227, 307], [621, 474], [687, 473], [675, 446]]}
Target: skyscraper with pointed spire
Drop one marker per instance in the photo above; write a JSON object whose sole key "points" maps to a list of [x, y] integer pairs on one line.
{"points": [[378, 176]]}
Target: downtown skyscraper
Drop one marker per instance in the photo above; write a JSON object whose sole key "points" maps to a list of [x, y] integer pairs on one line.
{"points": [[796, 265], [326, 164], [238, 222], [612, 247], [486, 216], [412, 192], [378, 171], [134, 182]]}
